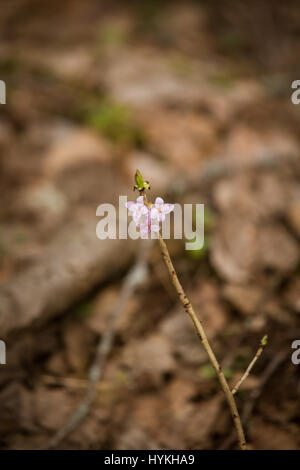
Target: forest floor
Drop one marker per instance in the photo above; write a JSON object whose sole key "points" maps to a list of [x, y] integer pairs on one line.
{"points": [[201, 105]]}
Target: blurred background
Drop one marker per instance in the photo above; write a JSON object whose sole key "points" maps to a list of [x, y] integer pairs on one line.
{"points": [[197, 96]]}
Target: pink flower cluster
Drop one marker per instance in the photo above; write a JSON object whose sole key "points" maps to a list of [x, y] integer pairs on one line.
{"points": [[148, 217]]}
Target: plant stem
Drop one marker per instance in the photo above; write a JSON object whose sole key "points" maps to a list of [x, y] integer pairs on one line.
{"points": [[202, 335], [248, 370]]}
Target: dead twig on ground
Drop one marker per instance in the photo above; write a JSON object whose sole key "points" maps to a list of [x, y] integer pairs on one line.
{"points": [[262, 346]]}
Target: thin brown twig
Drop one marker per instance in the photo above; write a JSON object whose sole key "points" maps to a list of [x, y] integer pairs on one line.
{"points": [[202, 335], [73, 382], [256, 393], [135, 277], [262, 346], [266, 376]]}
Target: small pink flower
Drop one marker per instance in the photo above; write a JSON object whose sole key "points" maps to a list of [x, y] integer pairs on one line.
{"points": [[160, 209], [147, 218], [137, 208], [147, 227]]}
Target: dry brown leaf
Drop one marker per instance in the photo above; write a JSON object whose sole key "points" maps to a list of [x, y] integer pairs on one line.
{"points": [[267, 436], [185, 139], [182, 338], [150, 359], [234, 249], [277, 248], [244, 298]]}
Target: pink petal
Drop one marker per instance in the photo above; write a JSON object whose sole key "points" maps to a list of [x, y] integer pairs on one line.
{"points": [[144, 232], [159, 200], [167, 208], [154, 214], [129, 204], [137, 218]]}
